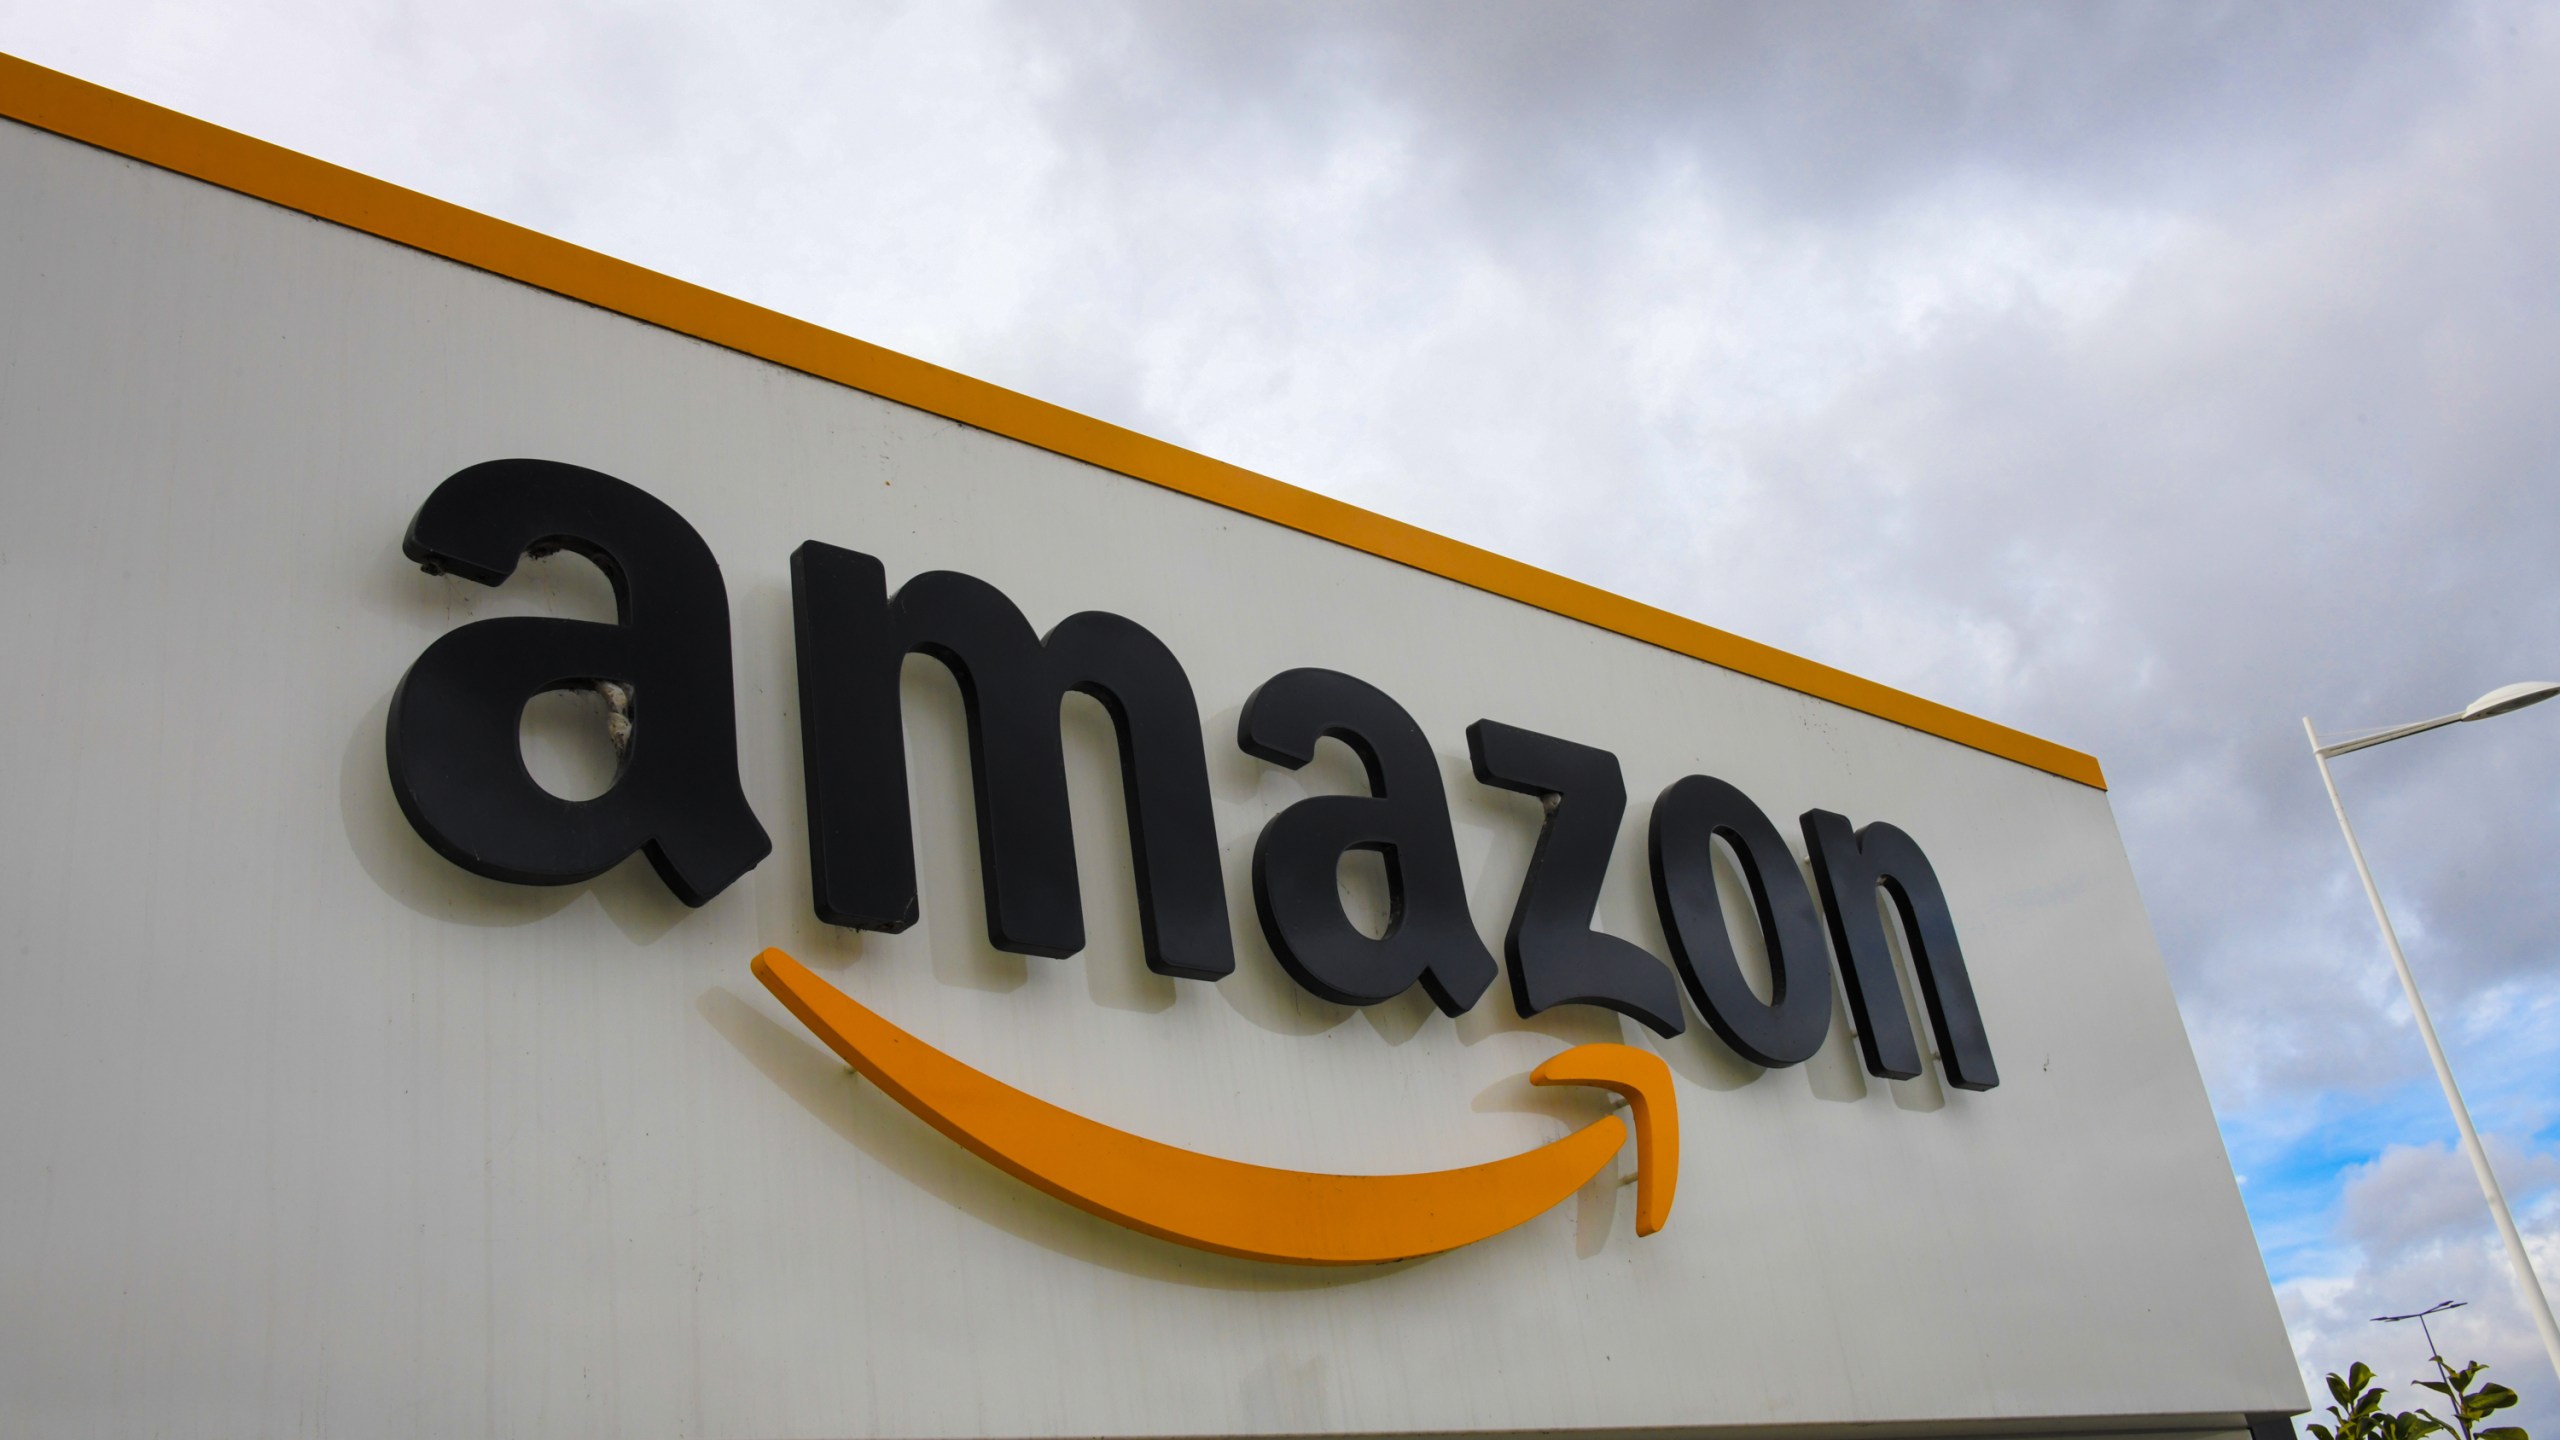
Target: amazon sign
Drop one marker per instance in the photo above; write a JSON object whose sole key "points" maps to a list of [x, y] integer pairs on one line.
{"points": [[844, 900], [457, 767]]}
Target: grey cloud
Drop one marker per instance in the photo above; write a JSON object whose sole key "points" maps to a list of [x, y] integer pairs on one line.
{"points": [[2413, 1196], [1828, 108]]}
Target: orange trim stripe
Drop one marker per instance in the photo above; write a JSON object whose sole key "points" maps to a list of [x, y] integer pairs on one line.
{"points": [[93, 115]]}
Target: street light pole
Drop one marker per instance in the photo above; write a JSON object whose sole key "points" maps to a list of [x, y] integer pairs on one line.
{"points": [[2527, 1283]]}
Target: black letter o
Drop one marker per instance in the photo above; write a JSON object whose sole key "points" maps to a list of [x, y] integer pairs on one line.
{"points": [[1789, 1026]]}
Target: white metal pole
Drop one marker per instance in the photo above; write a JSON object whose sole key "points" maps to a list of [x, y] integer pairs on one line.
{"points": [[2527, 1282]]}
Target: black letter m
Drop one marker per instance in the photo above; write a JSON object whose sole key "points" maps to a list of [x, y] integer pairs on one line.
{"points": [[853, 637]]}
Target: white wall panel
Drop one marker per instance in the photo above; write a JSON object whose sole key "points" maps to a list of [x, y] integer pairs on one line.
{"points": [[304, 1131]]}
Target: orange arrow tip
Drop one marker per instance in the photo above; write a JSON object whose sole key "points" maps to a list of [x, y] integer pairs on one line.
{"points": [[1640, 1076]]}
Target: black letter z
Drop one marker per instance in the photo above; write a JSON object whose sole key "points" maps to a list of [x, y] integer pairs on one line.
{"points": [[1556, 957]]}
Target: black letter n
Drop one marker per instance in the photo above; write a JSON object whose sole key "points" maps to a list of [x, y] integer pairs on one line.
{"points": [[457, 764], [1848, 865]]}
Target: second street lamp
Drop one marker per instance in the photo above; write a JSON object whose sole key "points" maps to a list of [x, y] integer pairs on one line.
{"points": [[2496, 702]]}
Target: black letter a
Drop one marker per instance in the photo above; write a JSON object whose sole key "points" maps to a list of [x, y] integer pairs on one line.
{"points": [[456, 762], [1430, 936]]}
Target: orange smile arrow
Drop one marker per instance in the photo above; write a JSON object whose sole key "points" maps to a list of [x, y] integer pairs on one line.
{"points": [[1251, 1210]]}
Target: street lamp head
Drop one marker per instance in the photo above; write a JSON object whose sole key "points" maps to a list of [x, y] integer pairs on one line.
{"points": [[2510, 697]]}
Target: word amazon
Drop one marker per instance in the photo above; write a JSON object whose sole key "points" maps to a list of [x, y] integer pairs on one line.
{"points": [[457, 769]]}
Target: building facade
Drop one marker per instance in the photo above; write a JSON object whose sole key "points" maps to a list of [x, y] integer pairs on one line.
{"points": [[470, 702]]}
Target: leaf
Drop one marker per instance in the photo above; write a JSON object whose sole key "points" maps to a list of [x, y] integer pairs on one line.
{"points": [[2409, 1425], [2494, 1396], [2504, 1432]]}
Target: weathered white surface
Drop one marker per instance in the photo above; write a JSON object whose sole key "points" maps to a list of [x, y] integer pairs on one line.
{"points": [[303, 1131]]}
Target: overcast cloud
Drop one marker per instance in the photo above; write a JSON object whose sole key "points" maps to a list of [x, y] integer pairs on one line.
{"points": [[2143, 376]]}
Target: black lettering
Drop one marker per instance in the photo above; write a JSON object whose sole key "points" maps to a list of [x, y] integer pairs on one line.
{"points": [[1687, 818], [852, 639], [1553, 954], [1405, 818], [1849, 866], [452, 741]]}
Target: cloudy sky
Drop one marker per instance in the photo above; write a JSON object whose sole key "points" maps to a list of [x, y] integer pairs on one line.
{"points": [[2147, 377]]}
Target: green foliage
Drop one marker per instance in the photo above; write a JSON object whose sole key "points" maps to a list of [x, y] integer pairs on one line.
{"points": [[2470, 1406], [2358, 1413], [2409, 1425]]}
